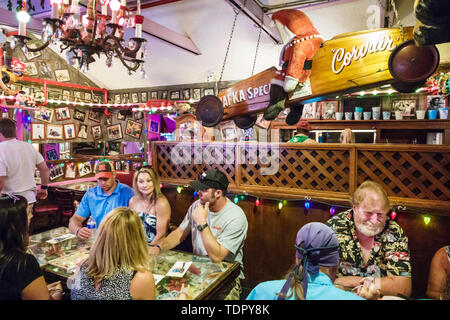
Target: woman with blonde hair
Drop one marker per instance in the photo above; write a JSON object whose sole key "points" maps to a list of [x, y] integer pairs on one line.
{"points": [[347, 136], [150, 204], [119, 265]]}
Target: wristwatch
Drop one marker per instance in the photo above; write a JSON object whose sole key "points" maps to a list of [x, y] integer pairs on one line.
{"points": [[202, 227], [44, 187]]}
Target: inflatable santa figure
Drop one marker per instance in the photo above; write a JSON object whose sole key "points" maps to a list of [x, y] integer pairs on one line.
{"points": [[295, 60]]}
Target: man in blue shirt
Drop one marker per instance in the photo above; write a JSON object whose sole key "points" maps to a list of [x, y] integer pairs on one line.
{"points": [[100, 200]]}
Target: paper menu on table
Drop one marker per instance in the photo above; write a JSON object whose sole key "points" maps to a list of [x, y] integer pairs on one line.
{"points": [[158, 278], [179, 269]]}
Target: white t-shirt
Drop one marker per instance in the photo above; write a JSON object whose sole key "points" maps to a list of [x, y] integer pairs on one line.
{"points": [[18, 162], [228, 226]]}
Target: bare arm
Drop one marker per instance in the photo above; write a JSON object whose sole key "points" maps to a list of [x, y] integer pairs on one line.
{"points": [[437, 280], [36, 290], [44, 173], [162, 209], [389, 286], [171, 241], [142, 286], [2, 182], [76, 227]]}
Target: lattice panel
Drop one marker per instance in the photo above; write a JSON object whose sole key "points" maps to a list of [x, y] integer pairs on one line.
{"points": [[326, 170], [410, 174], [187, 162]]}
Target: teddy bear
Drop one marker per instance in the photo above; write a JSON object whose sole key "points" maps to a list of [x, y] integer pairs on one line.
{"points": [[295, 61]]}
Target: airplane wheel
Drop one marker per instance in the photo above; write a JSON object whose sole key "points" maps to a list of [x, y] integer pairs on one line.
{"points": [[407, 87], [413, 64], [246, 121], [209, 111]]}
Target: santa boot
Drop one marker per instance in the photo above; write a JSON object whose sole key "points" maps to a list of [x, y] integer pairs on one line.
{"points": [[276, 104], [294, 115]]}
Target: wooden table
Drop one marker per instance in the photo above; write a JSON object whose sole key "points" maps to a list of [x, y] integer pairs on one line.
{"points": [[208, 284]]}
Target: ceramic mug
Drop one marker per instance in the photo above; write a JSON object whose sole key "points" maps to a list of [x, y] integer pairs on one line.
{"points": [[386, 115], [420, 114], [443, 113], [358, 115], [348, 115], [367, 115], [432, 114], [398, 115], [339, 115]]}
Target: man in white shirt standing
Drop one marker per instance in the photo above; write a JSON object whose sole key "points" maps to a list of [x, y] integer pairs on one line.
{"points": [[18, 161]]}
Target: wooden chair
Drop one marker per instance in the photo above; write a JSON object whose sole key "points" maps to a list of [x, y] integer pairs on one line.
{"points": [[45, 217], [65, 200]]}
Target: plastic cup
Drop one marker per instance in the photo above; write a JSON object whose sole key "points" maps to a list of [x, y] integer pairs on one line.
{"points": [[358, 115], [432, 114], [386, 115], [420, 114], [367, 115], [443, 113], [339, 115], [398, 115], [359, 109], [348, 115], [376, 112]]}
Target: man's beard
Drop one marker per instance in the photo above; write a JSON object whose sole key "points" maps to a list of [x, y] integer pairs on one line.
{"points": [[369, 229]]}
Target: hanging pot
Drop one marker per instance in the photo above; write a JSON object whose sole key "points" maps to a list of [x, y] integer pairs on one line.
{"points": [[407, 87], [245, 121], [412, 64], [209, 111]]}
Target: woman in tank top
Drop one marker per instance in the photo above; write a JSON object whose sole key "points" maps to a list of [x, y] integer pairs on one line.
{"points": [[439, 277], [150, 204], [119, 265]]}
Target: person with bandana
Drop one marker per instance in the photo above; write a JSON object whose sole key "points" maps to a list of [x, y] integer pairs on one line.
{"points": [[316, 262], [371, 245]]}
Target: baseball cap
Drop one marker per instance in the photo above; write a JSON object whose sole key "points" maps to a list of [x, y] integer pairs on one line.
{"points": [[211, 179], [304, 125], [104, 169]]}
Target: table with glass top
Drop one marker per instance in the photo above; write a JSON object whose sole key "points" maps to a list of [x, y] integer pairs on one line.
{"points": [[58, 253]]}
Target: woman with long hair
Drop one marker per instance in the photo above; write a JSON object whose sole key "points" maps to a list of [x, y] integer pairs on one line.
{"points": [[151, 205], [20, 274], [119, 264]]}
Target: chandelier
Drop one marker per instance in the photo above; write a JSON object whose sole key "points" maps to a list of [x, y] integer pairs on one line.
{"points": [[94, 33]]}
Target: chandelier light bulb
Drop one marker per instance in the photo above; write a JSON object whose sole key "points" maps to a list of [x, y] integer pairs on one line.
{"points": [[23, 16], [114, 5]]}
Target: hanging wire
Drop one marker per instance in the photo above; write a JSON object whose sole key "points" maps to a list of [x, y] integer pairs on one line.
{"points": [[259, 40]]}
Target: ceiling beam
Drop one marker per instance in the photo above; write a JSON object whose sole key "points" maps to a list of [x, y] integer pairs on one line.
{"points": [[257, 15]]}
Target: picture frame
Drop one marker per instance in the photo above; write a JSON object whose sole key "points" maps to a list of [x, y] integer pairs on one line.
{"points": [[135, 97], [31, 69], [120, 116], [66, 95], [228, 131], [247, 134], [186, 94], [44, 70], [94, 115], [196, 93], [133, 129], [125, 97], [407, 106], [153, 126], [283, 114], [82, 131], [77, 95], [69, 131], [44, 114], [62, 75], [154, 95], [37, 131], [190, 131], [208, 91], [31, 55], [55, 131], [114, 132], [62, 113], [56, 172], [434, 102], [71, 171], [108, 120], [144, 97], [88, 96], [79, 115], [328, 109], [117, 99], [39, 96], [84, 168], [311, 111], [138, 115], [52, 154], [261, 122], [175, 95], [163, 95], [97, 133]]}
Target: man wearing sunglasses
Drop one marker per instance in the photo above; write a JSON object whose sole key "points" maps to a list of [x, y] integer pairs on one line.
{"points": [[217, 225]]}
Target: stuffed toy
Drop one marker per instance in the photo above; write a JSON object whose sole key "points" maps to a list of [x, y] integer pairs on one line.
{"points": [[295, 60], [433, 22]]}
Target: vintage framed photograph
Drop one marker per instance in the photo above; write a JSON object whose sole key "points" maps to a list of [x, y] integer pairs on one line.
{"points": [[94, 115], [196, 93], [62, 113], [31, 55], [125, 98], [56, 172], [117, 99], [283, 114], [133, 129], [38, 131], [31, 69], [228, 131], [153, 127], [138, 115], [247, 134], [144, 97], [71, 171], [52, 154], [163, 95], [44, 114], [154, 95], [88, 96], [44, 70], [77, 95], [175, 95], [84, 168], [66, 95], [135, 97], [114, 132], [55, 131], [62, 75], [120, 116], [434, 102], [208, 91], [311, 111], [186, 94], [82, 131], [261, 122], [328, 109], [69, 131], [39, 96], [407, 106], [97, 133], [108, 120], [79, 115]]}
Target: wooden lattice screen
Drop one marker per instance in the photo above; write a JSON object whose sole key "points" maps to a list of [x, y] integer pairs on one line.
{"points": [[408, 173]]}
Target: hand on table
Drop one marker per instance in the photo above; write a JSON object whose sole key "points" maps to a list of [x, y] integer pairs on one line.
{"points": [[55, 290], [368, 289], [200, 213], [154, 250], [84, 233]]}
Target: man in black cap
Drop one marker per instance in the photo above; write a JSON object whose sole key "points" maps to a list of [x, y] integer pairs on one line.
{"points": [[218, 226]]}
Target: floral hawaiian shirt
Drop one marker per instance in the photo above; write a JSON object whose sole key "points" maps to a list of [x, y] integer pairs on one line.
{"points": [[389, 255]]}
